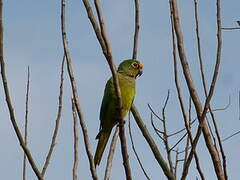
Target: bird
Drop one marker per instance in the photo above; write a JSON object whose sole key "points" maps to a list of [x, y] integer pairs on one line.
{"points": [[127, 72]]}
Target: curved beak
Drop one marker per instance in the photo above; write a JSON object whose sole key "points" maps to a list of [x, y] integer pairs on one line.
{"points": [[140, 72]]}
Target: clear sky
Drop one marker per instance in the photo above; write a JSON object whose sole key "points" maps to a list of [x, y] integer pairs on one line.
{"points": [[32, 37]]}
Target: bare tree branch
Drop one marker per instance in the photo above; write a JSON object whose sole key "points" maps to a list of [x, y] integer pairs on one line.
{"points": [[165, 134], [9, 102], [103, 40], [215, 73], [178, 142], [201, 112], [186, 120], [189, 120], [176, 163], [26, 123], [59, 113], [75, 93], [152, 144], [155, 114], [236, 133], [134, 149], [75, 139], [157, 131], [137, 27], [110, 154], [231, 28]]}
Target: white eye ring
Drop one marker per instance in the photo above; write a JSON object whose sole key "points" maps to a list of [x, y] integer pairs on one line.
{"points": [[135, 64]]}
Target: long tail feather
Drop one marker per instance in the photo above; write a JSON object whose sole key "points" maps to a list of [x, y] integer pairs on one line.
{"points": [[103, 137]]}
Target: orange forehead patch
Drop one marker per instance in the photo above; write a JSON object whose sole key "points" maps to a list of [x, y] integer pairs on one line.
{"points": [[140, 65]]}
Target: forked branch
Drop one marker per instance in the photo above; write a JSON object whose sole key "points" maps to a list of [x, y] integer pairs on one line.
{"points": [[75, 92], [9, 102]]}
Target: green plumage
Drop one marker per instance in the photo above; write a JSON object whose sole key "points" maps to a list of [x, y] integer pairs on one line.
{"points": [[127, 72]]}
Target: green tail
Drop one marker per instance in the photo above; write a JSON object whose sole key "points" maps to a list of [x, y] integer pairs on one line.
{"points": [[103, 137]]}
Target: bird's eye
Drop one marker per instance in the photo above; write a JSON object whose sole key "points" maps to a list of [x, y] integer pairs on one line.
{"points": [[135, 65]]}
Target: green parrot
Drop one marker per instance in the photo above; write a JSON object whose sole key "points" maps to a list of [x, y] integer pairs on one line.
{"points": [[127, 72]]}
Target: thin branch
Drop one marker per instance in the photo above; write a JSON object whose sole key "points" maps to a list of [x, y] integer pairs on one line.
{"points": [[134, 150], [95, 25], [9, 103], [187, 74], [231, 28], [201, 112], [137, 27], [26, 123], [111, 153], [103, 40], [155, 114], [165, 134], [157, 131], [152, 144], [223, 108], [57, 122], [183, 129], [189, 120], [211, 132], [236, 133], [199, 47], [192, 122], [75, 139], [75, 93], [178, 142], [214, 77], [176, 163], [218, 60], [103, 30]]}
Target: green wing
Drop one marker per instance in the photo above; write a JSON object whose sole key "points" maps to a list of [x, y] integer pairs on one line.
{"points": [[108, 111], [108, 105]]}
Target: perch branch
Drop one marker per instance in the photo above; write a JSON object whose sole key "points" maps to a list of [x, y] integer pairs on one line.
{"points": [[103, 40], [57, 122], [152, 144], [137, 27], [75, 139], [186, 120], [26, 122], [110, 154], [134, 149], [203, 76], [201, 112], [75, 93], [9, 103]]}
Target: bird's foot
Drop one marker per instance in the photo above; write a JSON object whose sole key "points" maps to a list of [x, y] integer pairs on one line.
{"points": [[122, 123]]}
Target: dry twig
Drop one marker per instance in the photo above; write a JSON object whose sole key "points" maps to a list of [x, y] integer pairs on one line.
{"points": [[55, 132], [26, 123], [9, 102], [75, 93], [165, 134], [75, 139], [231, 28], [201, 112], [134, 149], [110, 154], [215, 73], [137, 27], [103, 40], [186, 120], [152, 144]]}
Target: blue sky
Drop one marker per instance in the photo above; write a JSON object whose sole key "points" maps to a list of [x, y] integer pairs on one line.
{"points": [[32, 37]]}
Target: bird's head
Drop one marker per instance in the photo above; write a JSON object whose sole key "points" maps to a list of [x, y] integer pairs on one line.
{"points": [[130, 67]]}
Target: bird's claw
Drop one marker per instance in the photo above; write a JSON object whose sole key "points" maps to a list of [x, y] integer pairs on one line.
{"points": [[122, 123]]}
